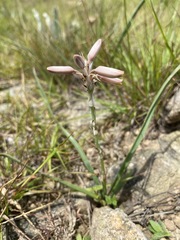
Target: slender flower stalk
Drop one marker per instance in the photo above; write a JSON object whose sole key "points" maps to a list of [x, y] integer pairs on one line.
{"points": [[89, 77]]}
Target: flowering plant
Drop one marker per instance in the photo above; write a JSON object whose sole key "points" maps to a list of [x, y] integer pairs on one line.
{"points": [[89, 77], [99, 191]]}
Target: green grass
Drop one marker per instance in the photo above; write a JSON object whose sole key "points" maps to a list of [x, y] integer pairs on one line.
{"points": [[142, 38], [29, 138]]}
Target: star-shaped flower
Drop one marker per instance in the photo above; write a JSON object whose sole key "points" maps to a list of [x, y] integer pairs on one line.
{"points": [[89, 75]]}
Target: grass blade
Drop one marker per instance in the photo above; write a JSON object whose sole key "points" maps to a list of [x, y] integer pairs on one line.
{"points": [[117, 184], [76, 188], [162, 32], [126, 29], [88, 192]]}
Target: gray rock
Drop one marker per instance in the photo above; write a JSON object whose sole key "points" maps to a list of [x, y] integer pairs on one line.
{"points": [[159, 162], [109, 224], [171, 113]]}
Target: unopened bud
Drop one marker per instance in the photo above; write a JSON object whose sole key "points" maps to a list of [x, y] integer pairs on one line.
{"points": [[117, 81], [79, 60], [61, 69], [108, 72], [94, 50]]}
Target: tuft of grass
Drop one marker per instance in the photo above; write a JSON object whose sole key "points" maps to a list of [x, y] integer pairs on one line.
{"points": [[29, 139], [148, 52]]}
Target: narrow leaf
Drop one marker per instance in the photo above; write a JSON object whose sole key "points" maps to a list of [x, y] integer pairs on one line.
{"points": [[79, 189], [128, 25], [162, 32]]}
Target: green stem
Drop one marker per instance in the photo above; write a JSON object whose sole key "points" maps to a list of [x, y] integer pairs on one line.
{"points": [[96, 136]]}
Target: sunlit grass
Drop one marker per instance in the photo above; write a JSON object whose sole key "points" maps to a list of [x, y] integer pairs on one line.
{"points": [[140, 37], [29, 139]]}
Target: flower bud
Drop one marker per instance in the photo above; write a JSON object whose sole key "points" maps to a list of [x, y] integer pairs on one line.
{"points": [[108, 72], [61, 69], [117, 81], [79, 60], [94, 50]]}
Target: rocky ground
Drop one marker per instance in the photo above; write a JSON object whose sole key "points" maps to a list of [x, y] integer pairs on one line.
{"points": [[153, 193]]}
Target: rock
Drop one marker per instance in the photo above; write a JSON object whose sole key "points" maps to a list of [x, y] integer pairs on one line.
{"points": [[170, 225], [177, 221], [171, 114], [110, 224], [159, 161], [165, 172]]}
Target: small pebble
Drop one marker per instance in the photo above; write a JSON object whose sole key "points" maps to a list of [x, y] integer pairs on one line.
{"points": [[177, 221], [10, 141], [170, 225]]}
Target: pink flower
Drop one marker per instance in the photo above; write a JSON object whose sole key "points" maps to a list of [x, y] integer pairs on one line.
{"points": [[61, 69], [108, 72], [94, 50], [101, 73]]}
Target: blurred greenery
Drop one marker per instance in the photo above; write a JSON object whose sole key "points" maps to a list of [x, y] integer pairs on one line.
{"points": [[140, 37]]}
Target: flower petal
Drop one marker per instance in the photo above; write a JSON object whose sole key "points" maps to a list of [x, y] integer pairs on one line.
{"points": [[94, 50], [79, 60], [117, 81], [61, 69], [108, 72]]}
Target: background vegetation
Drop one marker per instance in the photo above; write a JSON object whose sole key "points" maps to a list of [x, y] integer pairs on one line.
{"points": [[42, 33]]}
